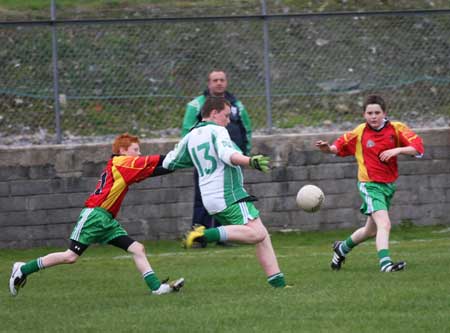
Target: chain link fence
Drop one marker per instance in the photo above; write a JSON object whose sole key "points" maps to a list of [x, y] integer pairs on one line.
{"points": [[138, 75]]}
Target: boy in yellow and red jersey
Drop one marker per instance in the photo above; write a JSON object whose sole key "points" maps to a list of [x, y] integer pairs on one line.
{"points": [[375, 145], [97, 223]]}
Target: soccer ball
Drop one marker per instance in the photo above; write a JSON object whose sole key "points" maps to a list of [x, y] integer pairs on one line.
{"points": [[310, 198]]}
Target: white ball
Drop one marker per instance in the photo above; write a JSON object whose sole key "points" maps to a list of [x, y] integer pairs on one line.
{"points": [[310, 198]]}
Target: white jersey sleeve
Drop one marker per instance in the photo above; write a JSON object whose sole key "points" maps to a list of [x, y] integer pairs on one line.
{"points": [[179, 157], [224, 145]]}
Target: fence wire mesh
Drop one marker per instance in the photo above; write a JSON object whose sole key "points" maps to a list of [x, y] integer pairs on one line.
{"points": [[137, 76]]}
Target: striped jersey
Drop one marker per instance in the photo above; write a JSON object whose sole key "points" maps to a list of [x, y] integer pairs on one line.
{"points": [[366, 144], [208, 147], [119, 173]]}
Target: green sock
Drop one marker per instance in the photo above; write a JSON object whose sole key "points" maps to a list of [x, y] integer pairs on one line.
{"points": [[152, 280], [32, 266], [347, 245], [385, 259], [277, 280], [212, 235]]}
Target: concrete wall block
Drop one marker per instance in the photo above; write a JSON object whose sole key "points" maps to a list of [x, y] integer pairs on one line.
{"points": [[42, 190], [281, 203], [30, 243], [432, 195], [435, 137], [413, 182], [300, 220], [405, 197], [66, 215], [32, 187], [278, 219], [166, 228], [423, 167], [46, 171], [22, 218], [176, 209], [288, 174], [447, 195], [438, 152], [342, 200], [296, 157], [255, 176], [52, 201], [159, 196], [149, 183], [179, 178], [350, 171], [4, 189], [335, 171], [13, 172], [34, 232], [399, 213], [331, 186], [92, 169], [316, 157], [145, 211], [11, 204], [76, 184], [153, 211], [268, 189], [340, 214], [439, 181]]}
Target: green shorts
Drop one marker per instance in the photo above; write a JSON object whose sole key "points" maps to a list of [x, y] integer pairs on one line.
{"points": [[96, 225], [237, 213], [376, 196]]}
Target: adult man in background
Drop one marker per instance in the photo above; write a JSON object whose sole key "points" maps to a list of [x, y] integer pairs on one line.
{"points": [[239, 128]]}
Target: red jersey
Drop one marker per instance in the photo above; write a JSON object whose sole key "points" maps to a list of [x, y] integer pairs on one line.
{"points": [[120, 172], [367, 144]]}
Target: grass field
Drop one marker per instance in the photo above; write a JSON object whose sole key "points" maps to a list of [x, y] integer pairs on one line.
{"points": [[226, 291]]}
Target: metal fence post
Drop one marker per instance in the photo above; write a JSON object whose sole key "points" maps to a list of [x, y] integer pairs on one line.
{"points": [[55, 74], [267, 66]]}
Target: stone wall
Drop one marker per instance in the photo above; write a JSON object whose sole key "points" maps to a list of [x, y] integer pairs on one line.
{"points": [[43, 188]]}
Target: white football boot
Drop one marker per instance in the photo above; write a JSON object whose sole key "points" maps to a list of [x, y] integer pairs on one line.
{"points": [[166, 288], [17, 279]]}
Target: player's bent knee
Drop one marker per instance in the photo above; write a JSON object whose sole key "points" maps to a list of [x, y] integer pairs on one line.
{"points": [[261, 236], [71, 257], [137, 248]]}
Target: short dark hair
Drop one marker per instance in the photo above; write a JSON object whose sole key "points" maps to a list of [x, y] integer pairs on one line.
{"points": [[217, 70], [375, 99], [213, 103]]}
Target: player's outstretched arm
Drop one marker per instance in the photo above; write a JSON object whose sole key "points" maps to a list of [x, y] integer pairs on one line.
{"points": [[325, 147], [258, 162], [387, 154]]}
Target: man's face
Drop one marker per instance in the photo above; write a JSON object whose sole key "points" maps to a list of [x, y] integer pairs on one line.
{"points": [[374, 115], [222, 117], [217, 83], [133, 150]]}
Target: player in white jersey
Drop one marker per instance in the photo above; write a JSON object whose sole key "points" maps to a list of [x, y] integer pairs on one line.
{"points": [[209, 148]]}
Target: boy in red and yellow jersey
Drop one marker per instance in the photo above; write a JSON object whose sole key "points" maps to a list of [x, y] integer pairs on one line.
{"points": [[375, 145], [97, 223]]}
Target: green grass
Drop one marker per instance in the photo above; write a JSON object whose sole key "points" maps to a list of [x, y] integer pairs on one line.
{"points": [[226, 290]]}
